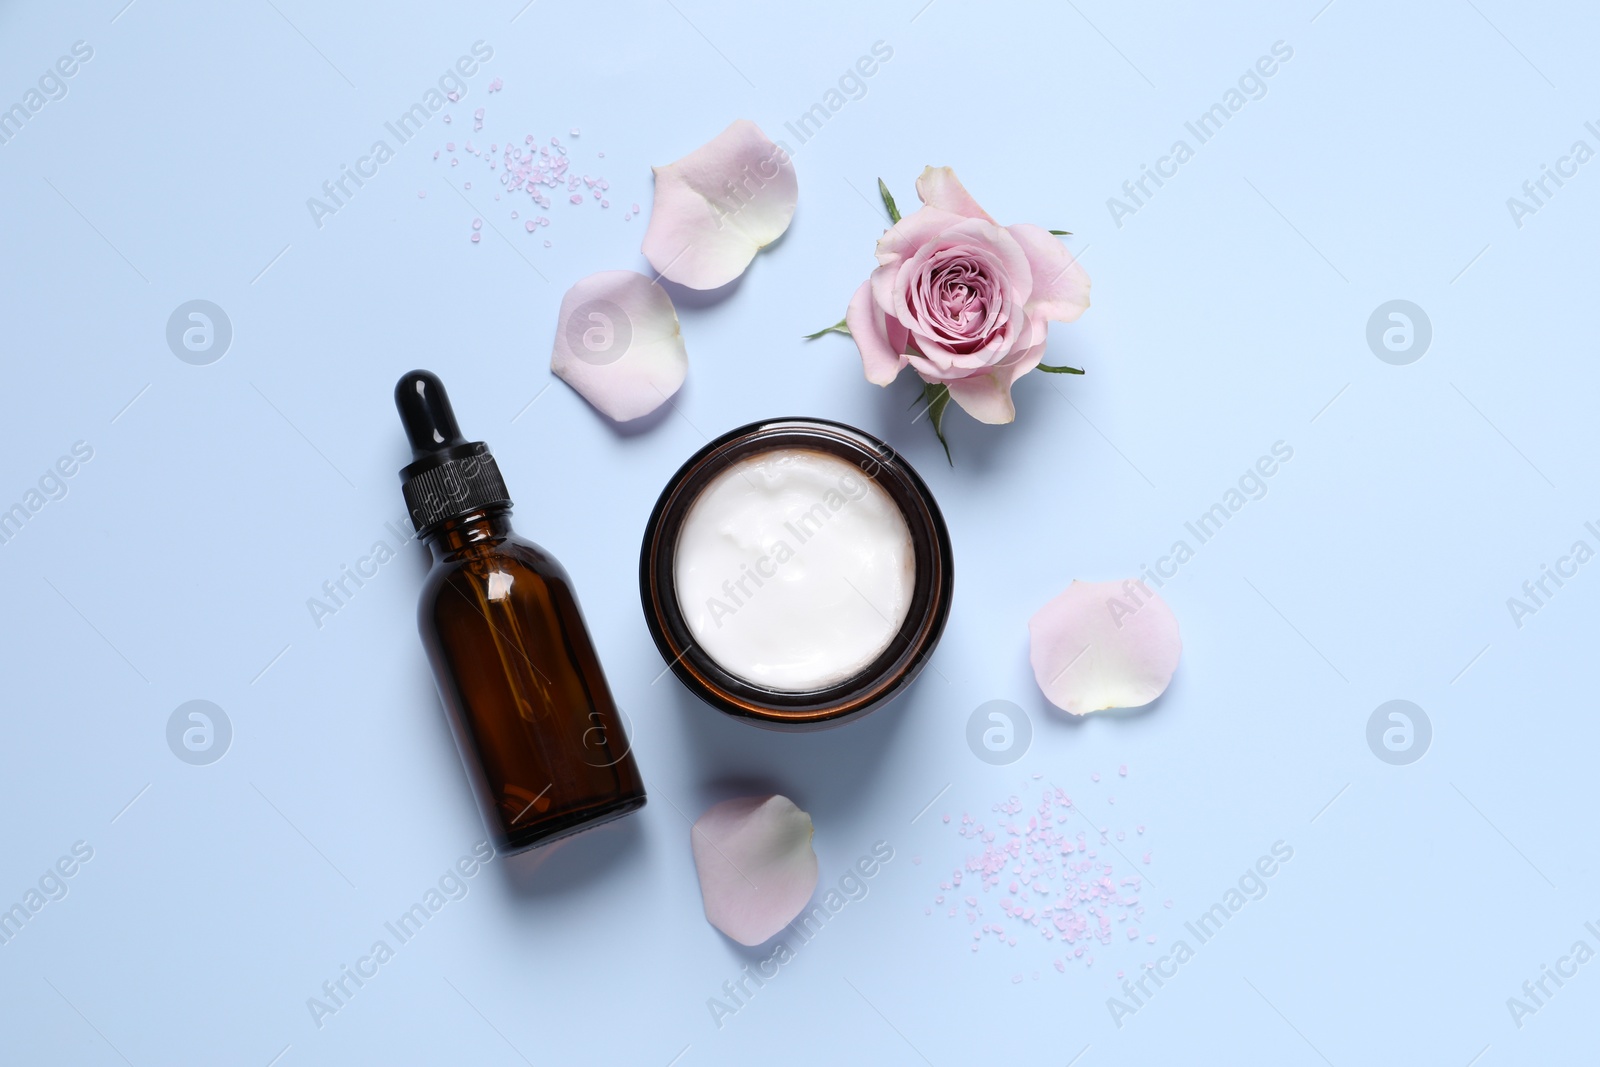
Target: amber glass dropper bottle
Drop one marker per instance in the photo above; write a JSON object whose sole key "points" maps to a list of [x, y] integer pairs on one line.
{"points": [[527, 701]]}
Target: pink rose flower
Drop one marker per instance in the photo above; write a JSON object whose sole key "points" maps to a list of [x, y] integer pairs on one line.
{"points": [[963, 300]]}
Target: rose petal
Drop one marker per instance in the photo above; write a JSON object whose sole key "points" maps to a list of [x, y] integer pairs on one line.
{"points": [[1104, 645], [1060, 284], [987, 397], [928, 230], [984, 397], [756, 865], [874, 334], [913, 231], [1023, 360], [617, 344], [718, 206], [939, 187], [973, 236]]}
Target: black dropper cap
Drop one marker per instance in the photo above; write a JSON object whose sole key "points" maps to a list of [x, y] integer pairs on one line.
{"points": [[448, 476]]}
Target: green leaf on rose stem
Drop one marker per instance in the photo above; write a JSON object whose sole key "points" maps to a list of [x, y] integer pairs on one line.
{"points": [[1058, 370], [1062, 233], [838, 327], [888, 201], [937, 398]]}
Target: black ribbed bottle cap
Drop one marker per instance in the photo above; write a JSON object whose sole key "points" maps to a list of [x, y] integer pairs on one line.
{"points": [[449, 476]]}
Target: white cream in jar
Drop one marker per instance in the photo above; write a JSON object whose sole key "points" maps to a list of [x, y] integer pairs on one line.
{"points": [[794, 570]]}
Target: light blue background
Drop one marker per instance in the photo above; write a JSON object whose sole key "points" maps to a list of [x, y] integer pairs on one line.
{"points": [[1229, 313]]}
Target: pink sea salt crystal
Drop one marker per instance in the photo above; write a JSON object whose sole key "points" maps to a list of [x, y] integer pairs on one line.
{"points": [[513, 214], [478, 114], [467, 185], [496, 85], [601, 155], [475, 238], [447, 120], [636, 208], [636, 211], [530, 225], [577, 198], [1147, 857], [1123, 770], [574, 131], [436, 154], [1038, 855], [421, 194], [477, 224], [453, 95], [1095, 776], [449, 146], [547, 244]]}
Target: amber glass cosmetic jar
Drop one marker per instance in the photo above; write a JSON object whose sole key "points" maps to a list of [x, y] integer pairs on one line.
{"points": [[922, 584]]}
